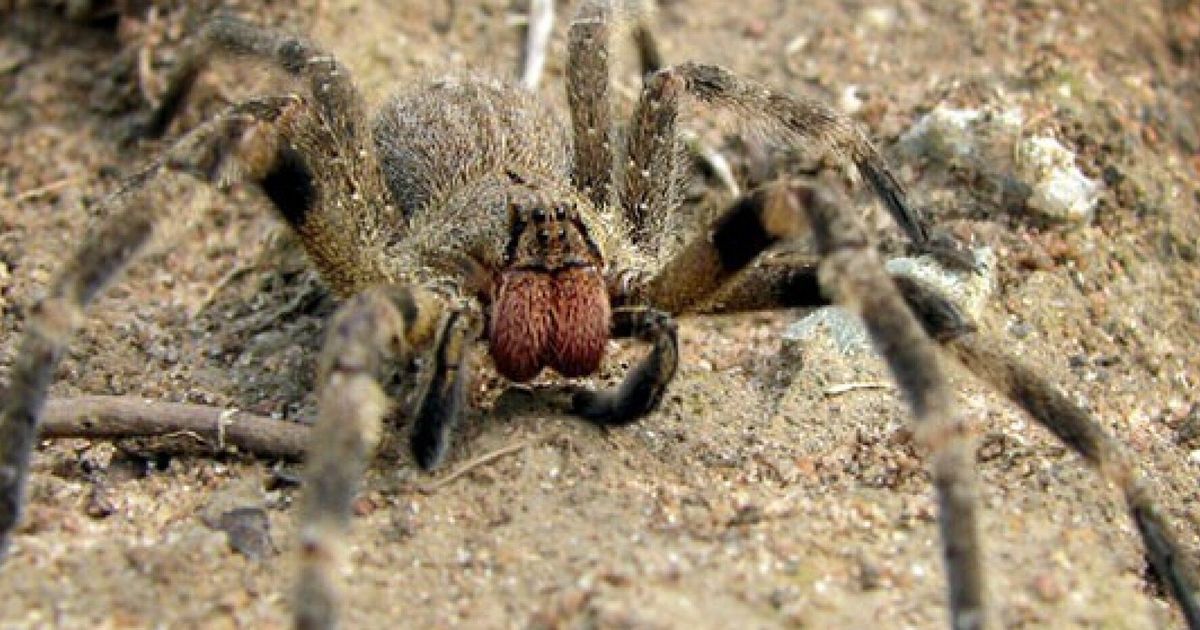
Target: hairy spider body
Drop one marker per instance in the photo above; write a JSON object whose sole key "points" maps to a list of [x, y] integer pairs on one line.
{"points": [[479, 172], [461, 214]]}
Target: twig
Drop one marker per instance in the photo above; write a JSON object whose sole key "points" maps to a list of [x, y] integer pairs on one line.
{"points": [[537, 39], [129, 416], [844, 388], [486, 458]]}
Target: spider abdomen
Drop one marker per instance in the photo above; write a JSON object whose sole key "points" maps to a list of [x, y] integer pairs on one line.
{"points": [[545, 319], [442, 134]]}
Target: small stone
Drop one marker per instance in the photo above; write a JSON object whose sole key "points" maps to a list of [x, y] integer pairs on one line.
{"points": [[573, 601], [870, 576], [364, 506], [99, 504], [248, 531], [616, 577], [943, 135], [1060, 191], [969, 290], [1020, 330], [1188, 432], [755, 29]]}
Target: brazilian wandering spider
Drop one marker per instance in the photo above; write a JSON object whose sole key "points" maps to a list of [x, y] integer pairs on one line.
{"points": [[548, 254]]}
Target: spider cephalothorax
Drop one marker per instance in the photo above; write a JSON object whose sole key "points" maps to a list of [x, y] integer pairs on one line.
{"points": [[471, 183], [550, 305]]}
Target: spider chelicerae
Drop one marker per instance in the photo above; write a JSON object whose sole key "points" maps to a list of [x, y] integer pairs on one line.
{"points": [[460, 212]]}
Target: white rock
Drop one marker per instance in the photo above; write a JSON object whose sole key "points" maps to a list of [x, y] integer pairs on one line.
{"points": [[943, 134], [969, 290], [1060, 191]]}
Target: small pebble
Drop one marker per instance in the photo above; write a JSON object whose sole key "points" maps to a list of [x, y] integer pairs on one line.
{"points": [[248, 531]]}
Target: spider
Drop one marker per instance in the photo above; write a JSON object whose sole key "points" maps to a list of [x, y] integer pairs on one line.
{"points": [[462, 213]]}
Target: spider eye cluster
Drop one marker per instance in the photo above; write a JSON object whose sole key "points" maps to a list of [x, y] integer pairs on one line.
{"points": [[540, 213]]}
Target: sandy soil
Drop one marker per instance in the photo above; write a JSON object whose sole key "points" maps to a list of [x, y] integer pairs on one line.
{"points": [[755, 497]]}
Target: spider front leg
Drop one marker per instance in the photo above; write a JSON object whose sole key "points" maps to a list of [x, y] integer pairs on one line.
{"points": [[444, 396], [589, 100], [374, 331], [340, 105], [845, 274], [643, 387], [714, 273], [852, 273], [212, 152], [1076, 429], [650, 175], [699, 277]]}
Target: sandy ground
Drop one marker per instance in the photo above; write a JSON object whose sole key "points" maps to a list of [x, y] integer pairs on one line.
{"points": [[757, 496]]}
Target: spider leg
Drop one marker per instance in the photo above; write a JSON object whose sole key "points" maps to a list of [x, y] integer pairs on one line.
{"points": [[653, 164], [339, 103], [1045, 403], [852, 273], [51, 322], [648, 51], [210, 152], [644, 385], [444, 396], [589, 100], [723, 255], [372, 331], [313, 161], [649, 182], [650, 171], [713, 274], [1075, 428]]}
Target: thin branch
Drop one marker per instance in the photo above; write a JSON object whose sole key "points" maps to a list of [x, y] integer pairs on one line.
{"points": [[845, 388], [486, 458], [113, 417]]}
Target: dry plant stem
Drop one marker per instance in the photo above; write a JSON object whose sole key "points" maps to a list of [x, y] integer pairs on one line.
{"points": [[541, 22], [845, 388], [482, 460], [115, 417]]}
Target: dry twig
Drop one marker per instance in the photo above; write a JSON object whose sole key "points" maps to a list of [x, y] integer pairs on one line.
{"points": [[845, 388], [113, 417], [482, 460], [537, 39]]}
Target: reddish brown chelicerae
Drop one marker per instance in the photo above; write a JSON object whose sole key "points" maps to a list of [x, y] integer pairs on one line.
{"points": [[549, 319]]}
